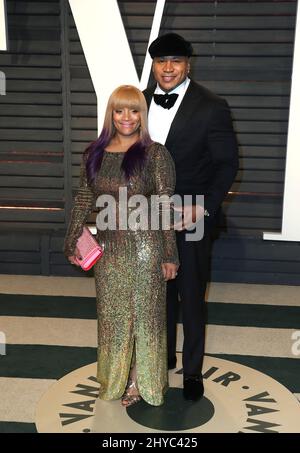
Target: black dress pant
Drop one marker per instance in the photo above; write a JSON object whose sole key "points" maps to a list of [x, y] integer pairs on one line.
{"points": [[190, 284]]}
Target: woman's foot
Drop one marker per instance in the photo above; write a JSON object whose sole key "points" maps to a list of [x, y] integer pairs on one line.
{"points": [[131, 395]]}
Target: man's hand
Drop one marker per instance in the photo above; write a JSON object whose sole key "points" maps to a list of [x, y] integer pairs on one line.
{"points": [[190, 215], [169, 270]]}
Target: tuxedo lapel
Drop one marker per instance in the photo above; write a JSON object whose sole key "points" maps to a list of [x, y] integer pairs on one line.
{"points": [[186, 108], [148, 93]]}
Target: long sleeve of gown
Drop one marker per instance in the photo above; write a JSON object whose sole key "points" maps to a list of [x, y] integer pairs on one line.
{"points": [[83, 206], [165, 179]]}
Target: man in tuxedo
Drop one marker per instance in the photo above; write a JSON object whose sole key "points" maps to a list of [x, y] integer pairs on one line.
{"points": [[195, 125]]}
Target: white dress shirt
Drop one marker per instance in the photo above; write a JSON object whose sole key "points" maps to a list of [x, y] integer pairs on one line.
{"points": [[160, 119]]}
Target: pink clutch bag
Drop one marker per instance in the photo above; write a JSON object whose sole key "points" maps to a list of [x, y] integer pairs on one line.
{"points": [[89, 250]]}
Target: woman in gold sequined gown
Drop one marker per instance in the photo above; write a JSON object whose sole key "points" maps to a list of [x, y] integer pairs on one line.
{"points": [[131, 276]]}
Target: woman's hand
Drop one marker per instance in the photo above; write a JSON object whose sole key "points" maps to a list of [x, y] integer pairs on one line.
{"points": [[73, 258], [169, 270]]}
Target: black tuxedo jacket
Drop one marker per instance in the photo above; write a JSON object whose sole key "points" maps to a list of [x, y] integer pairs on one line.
{"points": [[202, 143]]}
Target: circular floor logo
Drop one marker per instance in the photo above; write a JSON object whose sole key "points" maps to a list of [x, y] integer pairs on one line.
{"points": [[237, 399]]}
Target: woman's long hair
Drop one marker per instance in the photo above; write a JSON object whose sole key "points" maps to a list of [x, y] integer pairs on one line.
{"points": [[124, 96]]}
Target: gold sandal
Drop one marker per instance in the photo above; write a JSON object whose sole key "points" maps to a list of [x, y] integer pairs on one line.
{"points": [[129, 398]]}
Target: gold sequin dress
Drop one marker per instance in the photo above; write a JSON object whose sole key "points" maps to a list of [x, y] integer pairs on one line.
{"points": [[130, 289]]}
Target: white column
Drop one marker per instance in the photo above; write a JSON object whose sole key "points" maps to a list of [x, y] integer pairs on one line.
{"points": [[3, 26], [291, 201]]}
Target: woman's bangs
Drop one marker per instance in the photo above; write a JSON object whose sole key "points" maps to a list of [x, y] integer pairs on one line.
{"points": [[126, 98]]}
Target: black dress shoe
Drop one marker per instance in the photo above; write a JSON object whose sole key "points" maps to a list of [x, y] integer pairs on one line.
{"points": [[193, 388], [172, 363]]}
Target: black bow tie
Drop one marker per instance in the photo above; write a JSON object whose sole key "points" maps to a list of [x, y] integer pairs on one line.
{"points": [[165, 100]]}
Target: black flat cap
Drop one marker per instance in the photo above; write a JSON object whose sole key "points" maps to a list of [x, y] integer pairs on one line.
{"points": [[170, 44]]}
